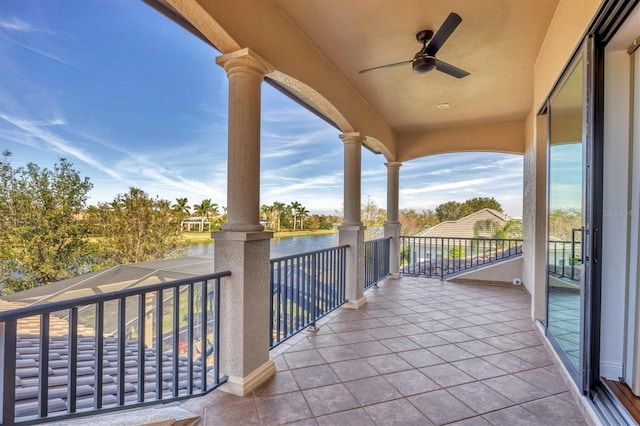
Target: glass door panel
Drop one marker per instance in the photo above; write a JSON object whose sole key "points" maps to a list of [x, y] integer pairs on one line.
{"points": [[565, 219]]}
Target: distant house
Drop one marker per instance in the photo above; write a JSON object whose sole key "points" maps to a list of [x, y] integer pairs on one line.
{"points": [[463, 228]]}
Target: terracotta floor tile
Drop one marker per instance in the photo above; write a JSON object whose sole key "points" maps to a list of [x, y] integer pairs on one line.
{"points": [[446, 375], [516, 416], [515, 388], [399, 344], [305, 358], [411, 382], [280, 409], [420, 358], [450, 353], [389, 363], [441, 407], [239, 413], [372, 390], [399, 412], [479, 368], [310, 377], [480, 397], [282, 382], [338, 353], [356, 417], [352, 370], [329, 399]]}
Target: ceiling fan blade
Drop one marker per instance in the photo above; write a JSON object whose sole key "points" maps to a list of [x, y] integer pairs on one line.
{"points": [[449, 25], [385, 66], [450, 69]]}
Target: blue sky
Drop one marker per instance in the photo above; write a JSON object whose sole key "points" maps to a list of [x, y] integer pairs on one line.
{"points": [[132, 99]]}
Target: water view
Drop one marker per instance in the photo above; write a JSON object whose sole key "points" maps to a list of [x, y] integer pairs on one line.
{"points": [[279, 246]]}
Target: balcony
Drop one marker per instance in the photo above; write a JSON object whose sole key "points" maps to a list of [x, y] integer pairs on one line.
{"points": [[422, 351]]}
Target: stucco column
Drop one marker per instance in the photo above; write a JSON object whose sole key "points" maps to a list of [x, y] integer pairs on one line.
{"points": [[352, 231], [392, 225], [242, 246], [245, 70]]}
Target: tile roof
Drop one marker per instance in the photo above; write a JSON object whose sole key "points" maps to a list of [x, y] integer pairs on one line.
{"points": [[27, 371]]}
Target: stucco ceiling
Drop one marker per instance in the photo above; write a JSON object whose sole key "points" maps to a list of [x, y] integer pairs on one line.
{"points": [[497, 42]]}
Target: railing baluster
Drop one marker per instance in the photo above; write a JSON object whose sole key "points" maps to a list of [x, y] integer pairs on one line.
{"points": [[122, 303], [43, 376], [73, 360], [203, 372], [99, 335], [8, 342], [271, 303], [190, 340], [176, 341], [141, 346], [216, 362], [159, 343]]}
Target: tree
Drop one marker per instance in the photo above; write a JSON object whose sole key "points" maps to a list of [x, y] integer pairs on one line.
{"points": [[302, 212], [135, 228], [491, 228], [206, 208], [294, 207], [182, 207], [42, 229], [453, 210], [412, 222], [277, 208], [372, 215]]}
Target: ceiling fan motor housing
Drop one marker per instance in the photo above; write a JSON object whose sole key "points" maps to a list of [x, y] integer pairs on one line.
{"points": [[423, 63]]}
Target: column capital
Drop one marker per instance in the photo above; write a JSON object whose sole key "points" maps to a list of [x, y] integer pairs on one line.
{"points": [[244, 60], [352, 138], [393, 164]]}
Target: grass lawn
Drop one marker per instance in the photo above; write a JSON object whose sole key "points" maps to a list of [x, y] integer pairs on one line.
{"points": [[205, 237]]}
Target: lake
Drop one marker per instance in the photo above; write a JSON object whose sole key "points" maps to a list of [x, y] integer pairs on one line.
{"points": [[279, 246]]}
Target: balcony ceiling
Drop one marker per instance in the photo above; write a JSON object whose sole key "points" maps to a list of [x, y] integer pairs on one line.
{"points": [[318, 47], [497, 42]]}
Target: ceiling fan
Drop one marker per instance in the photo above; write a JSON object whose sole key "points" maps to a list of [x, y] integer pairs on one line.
{"points": [[425, 60]]}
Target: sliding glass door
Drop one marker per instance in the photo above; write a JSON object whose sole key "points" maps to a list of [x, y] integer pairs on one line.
{"points": [[567, 181]]}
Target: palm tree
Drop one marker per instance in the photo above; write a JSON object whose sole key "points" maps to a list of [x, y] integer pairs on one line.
{"points": [[277, 209], [266, 212], [294, 207], [302, 212], [206, 208], [181, 206]]}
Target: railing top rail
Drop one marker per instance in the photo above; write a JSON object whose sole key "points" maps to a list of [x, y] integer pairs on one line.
{"points": [[307, 253], [378, 239], [16, 314], [463, 238]]}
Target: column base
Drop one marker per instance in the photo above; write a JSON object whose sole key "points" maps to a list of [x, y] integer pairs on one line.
{"points": [[356, 304], [242, 386], [394, 276]]}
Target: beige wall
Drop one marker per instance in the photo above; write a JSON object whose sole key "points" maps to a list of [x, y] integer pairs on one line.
{"points": [[569, 25], [503, 272], [231, 24], [498, 137]]}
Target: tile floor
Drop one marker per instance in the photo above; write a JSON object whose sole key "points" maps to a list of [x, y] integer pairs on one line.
{"points": [[420, 352]]}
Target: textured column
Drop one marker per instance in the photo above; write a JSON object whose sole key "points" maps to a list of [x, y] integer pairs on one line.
{"points": [[352, 231], [392, 225], [242, 246], [245, 71]]}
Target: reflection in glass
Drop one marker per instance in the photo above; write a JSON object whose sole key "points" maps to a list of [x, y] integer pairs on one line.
{"points": [[565, 216]]}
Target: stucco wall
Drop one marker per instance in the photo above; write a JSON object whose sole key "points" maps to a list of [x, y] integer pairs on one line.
{"points": [[503, 272]]}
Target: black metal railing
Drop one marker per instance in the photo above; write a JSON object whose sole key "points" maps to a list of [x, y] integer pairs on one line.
{"points": [[376, 261], [565, 257], [304, 288], [443, 256], [138, 366]]}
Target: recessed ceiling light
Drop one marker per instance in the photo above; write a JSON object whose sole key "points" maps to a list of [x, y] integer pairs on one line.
{"points": [[444, 105]]}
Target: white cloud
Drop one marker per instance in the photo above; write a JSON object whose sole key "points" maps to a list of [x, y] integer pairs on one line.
{"points": [[15, 24], [34, 129]]}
